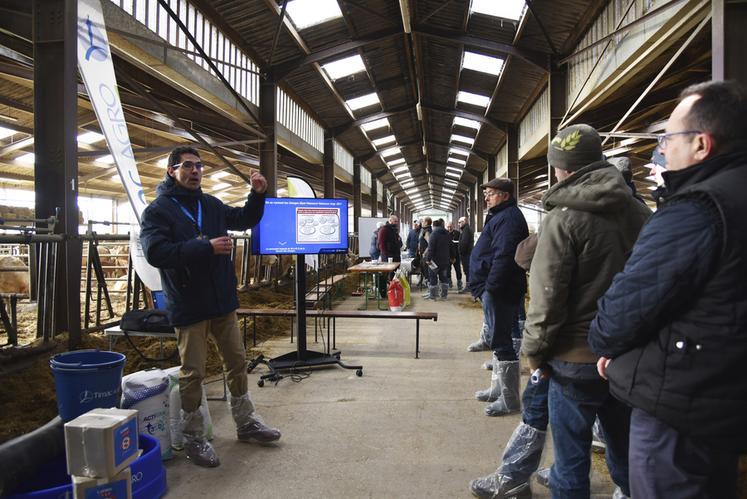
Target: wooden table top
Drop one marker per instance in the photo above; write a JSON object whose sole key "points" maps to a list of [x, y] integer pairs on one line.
{"points": [[374, 267]]}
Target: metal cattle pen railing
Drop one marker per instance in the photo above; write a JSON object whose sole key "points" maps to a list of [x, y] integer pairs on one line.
{"points": [[42, 249]]}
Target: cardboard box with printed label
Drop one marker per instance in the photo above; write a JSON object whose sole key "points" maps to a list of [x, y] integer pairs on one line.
{"points": [[116, 487], [101, 442]]}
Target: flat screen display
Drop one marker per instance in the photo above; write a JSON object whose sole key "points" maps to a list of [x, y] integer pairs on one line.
{"points": [[302, 226]]}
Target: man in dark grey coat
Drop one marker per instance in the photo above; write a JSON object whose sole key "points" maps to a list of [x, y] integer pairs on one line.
{"points": [[438, 255]]}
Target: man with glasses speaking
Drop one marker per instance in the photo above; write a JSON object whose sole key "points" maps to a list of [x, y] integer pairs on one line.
{"points": [[671, 331], [184, 235]]}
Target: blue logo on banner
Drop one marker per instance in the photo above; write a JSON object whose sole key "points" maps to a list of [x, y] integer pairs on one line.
{"points": [[97, 49]]}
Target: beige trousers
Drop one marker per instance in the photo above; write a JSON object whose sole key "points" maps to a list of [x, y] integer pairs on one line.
{"points": [[193, 347]]}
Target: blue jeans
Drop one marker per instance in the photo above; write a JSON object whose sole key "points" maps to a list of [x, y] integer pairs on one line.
{"points": [[664, 463], [440, 274], [498, 318], [534, 409], [519, 315], [573, 407]]}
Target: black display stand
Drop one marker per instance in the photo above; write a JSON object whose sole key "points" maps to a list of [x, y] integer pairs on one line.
{"points": [[301, 358]]}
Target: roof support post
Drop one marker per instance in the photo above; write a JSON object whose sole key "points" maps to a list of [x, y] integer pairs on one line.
{"points": [[329, 166], [728, 40], [491, 167], [268, 150], [56, 164], [356, 193], [479, 198], [374, 198], [558, 83], [513, 157]]}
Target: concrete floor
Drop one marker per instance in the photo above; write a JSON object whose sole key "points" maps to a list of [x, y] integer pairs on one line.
{"points": [[407, 428]]}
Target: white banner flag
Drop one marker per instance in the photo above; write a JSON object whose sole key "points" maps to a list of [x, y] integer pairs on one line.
{"points": [[97, 71]]}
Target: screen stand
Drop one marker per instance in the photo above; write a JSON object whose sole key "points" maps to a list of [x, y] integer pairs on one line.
{"points": [[301, 358]]}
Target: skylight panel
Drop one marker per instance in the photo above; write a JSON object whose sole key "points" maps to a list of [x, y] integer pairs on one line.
{"points": [[474, 99], [384, 140], [163, 162], [400, 169], [221, 185], [453, 174], [466, 123], [389, 152], [219, 175], [457, 161], [407, 184], [453, 169], [90, 138], [462, 138], [363, 101], [27, 158], [449, 191], [482, 63], [403, 175], [450, 182], [506, 9], [307, 13], [6, 132], [410, 191], [114, 178], [105, 160], [458, 152], [396, 162], [373, 125], [344, 67]]}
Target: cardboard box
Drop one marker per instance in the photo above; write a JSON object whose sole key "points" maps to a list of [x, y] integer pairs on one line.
{"points": [[101, 442], [116, 487]]}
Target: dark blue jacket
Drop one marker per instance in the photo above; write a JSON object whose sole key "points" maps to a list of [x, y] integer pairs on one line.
{"points": [[412, 242], [198, 284], [491, 265], [439, 245]]}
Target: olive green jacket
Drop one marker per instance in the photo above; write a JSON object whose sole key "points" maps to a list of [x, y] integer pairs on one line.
{"points": [[584, 240]]}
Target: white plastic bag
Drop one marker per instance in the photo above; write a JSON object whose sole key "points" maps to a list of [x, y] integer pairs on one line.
{"points": [[175, 406], [148, 393]]}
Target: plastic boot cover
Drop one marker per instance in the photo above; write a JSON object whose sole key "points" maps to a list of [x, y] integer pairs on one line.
{"points": [[249, 425], [597, 438], [517, 346], [196, 446], [495, 486], [444, 290], [618, 494], [523, 453], [494, 391], [432, 292], [509, 401], [543, 477], [481, 345], [488, 364]]}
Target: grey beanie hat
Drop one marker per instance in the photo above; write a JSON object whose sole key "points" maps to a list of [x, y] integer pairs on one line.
{"points": [[575, 147]]}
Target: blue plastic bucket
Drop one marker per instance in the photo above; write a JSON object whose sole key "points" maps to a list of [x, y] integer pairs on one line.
{"points": [[85, 380], [148, 476]]}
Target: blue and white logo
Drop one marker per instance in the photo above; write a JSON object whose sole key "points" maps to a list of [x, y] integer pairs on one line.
{"points": [[95, 43]]}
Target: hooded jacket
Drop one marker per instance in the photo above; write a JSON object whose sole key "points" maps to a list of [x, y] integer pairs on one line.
{"points": [[593, 220], [198, 284], [439, 247], [491, 265]]}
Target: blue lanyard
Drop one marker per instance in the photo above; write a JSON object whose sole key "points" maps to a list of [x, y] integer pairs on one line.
{"points": [[198, 222]]}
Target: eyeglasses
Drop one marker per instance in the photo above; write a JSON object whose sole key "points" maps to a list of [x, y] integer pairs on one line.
{"points": [[663, 137], [188, 165], [488, 194]]}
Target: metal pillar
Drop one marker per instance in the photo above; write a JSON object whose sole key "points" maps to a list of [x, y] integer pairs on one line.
{"points": [[356, 191], [268, 150], [513, 157], [374, 198], [479, 205], [728, 39], [491, 167], [56, 149], [329, 169], [557, 83]]}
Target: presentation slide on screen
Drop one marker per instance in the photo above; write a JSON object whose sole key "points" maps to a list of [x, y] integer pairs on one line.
{"points": [[302, 226]]}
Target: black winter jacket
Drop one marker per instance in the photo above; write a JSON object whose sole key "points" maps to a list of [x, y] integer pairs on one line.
{"points": [[198, 284], [466, 241], [492, 266], [439, 247], [675, 320]]}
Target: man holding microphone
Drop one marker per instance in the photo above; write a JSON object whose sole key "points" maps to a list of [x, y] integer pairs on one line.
{"points": [[184, 235]]}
